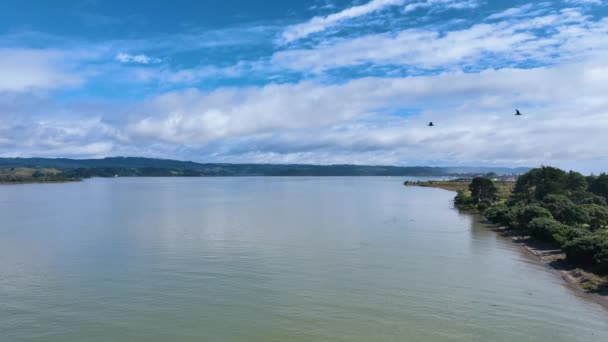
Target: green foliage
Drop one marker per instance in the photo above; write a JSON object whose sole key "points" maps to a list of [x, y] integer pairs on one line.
{"points": [[597, 215], [544, 228], [529, 213], [551, 181], [586, 197], [482, 189], [524, 190], [462, 200], [576, 182], [500, 214], [599, 185], [540, 182], [564, 210], [568, 233], [590, 249], [483, 205]]}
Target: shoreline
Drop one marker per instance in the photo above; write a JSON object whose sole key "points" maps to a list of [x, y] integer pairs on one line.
{"points": [[591, 285], [23, 182], [584, 282]]}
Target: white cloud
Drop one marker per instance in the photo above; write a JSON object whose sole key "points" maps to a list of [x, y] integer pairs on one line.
{"points": [[139, 59], [450, 4], [354, 122], [512, 12], [584, 2], [311, 122], [33, 69], [318, 24], [553, 37]]}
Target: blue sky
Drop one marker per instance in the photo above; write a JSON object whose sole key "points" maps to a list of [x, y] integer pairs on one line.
{"points": [[317, 81]]}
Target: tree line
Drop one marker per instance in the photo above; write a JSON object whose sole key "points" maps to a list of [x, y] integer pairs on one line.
{"points": [[550, 205]]}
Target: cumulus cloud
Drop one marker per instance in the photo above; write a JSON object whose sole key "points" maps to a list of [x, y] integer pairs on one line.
{"points": [[547, 61], [357, 120]]}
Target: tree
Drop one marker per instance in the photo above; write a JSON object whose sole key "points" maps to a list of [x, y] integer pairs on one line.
{"points": [[599, 185], [530, 212], [538, 183], [597, 215], [576, 182], [586, 197], [462, 200], [544, 228], [588, 250], [564, 210], [500, 214], [550, 180], [568, 234], [482, 189], [525, 187]]}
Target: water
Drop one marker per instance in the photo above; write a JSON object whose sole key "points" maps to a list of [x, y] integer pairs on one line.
{"points": [[269, 259]]}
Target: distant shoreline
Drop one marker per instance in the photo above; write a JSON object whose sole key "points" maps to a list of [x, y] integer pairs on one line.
{"points": [[585, 282], [24, 182]]}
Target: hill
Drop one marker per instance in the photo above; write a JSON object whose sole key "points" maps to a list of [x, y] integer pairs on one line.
{"points": [[142, 167]]}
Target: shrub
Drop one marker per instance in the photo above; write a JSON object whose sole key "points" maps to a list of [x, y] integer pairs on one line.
{"points": [[483, 205], [462, 200], [482, 189], [599, 185], [564, 210], [500, 214], [588, 250], [544, 228], [567, 234], [586, 197], [528, 213], [597, 215]]}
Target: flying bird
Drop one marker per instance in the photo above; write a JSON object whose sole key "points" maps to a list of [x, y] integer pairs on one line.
{"points": [[431, 124], [517, 112]]}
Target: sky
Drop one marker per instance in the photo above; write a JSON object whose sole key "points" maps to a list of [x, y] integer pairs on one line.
{"points": [[308, 81]]}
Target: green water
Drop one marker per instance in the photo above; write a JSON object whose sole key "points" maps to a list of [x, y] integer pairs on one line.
{"points": [[269, 259]]}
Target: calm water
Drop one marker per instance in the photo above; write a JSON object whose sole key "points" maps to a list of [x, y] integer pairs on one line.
{"points": [[269, 259]]}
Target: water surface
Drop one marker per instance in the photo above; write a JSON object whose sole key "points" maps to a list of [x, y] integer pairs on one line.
{"points": [[269, 259]]}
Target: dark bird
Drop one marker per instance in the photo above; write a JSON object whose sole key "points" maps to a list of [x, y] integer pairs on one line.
{"points": [[517, 112], [431, 124]]}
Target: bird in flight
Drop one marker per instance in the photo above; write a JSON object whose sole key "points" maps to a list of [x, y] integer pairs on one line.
{"points": [[431, 124], [517, 112]]}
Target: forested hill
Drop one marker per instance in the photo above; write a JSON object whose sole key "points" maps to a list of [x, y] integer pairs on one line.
{"points": [[136, 166]]}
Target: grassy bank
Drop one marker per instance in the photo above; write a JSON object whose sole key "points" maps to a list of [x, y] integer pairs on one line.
{"points": [[504, 188], [33, 175]]}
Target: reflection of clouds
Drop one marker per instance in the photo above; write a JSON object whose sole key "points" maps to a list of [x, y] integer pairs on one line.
{"points": [[296, 253]]}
